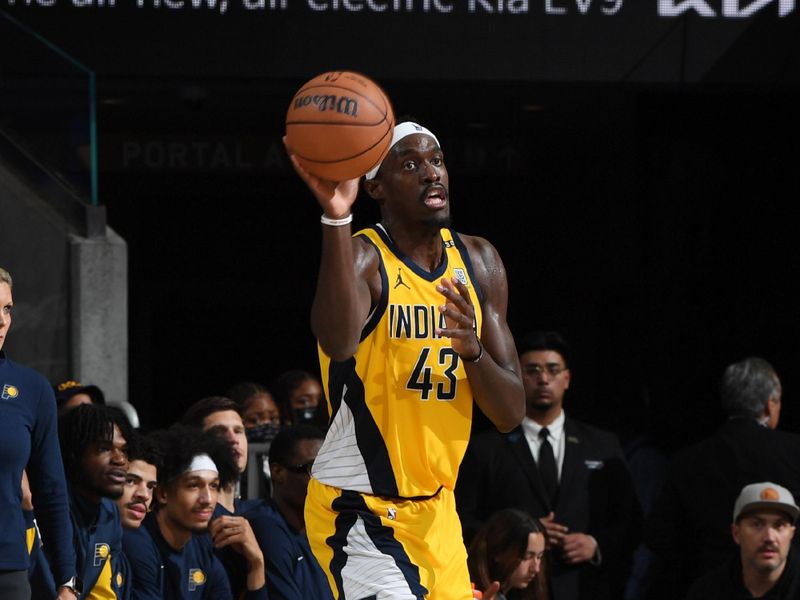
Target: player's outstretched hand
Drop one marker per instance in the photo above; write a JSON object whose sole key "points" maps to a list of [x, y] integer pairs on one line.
{"points": [[335, 197], [459, 314]]}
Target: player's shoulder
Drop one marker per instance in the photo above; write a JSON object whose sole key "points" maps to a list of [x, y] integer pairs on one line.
{"points": [[486, 262], [477, 245], [481, 251], [365, 250]]}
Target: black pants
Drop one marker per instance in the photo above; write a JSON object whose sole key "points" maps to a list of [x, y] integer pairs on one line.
{"points": [[14, 585]]}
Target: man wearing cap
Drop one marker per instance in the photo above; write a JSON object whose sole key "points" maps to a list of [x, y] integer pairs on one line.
{"points": [[410, 317], [169, 556], [763, 526], [708, 476], [70, 394]]}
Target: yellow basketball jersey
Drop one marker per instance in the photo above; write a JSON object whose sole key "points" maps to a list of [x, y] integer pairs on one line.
{"points": [[401, 408]]}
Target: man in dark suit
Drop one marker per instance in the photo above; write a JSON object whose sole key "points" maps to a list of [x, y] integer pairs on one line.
{"points": [[705, 479], [570, 475]]}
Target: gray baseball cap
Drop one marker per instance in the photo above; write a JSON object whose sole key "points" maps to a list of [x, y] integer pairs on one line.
{"points": [[765, 495]]}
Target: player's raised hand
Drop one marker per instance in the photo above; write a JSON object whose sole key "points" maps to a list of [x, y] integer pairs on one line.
{"points": [[335, 197], [459, 314]]}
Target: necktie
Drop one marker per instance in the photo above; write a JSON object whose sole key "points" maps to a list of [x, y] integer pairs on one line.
{"points": [[547, 465]]}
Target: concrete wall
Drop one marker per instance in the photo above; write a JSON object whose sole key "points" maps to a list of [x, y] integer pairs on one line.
{"points": [[70, 292]]}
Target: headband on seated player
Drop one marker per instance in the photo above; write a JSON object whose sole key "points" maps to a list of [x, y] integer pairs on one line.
{"points": [[202, 462], [400, 131]]}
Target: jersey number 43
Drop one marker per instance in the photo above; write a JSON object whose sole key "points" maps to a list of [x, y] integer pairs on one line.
{"points": [[421, 378]]}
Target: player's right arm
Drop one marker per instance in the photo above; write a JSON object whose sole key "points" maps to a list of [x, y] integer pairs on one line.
{"points": [[343, 298]]}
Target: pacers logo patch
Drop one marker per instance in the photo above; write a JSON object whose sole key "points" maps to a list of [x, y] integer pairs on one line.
{"points": [[101, 552], [196, 578], [460, 275], [9, 392]]}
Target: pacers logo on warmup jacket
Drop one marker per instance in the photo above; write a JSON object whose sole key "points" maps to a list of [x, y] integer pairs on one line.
{"points": [[196, 578], [9, 392], [101, 552]]}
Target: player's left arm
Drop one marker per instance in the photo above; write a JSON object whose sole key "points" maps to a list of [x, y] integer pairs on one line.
{"points": [[490, 357]]}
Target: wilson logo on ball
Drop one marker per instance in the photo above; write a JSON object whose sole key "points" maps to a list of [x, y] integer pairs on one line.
{"points": [[339, 125], [341, 104]]}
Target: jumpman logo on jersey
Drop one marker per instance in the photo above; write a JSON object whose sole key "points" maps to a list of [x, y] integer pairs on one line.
{"points": [[399, 281]]}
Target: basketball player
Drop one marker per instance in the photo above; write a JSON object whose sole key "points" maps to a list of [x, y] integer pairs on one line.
{"points": [[411, 323]]}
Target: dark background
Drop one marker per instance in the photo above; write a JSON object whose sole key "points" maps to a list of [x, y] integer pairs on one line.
{"points": [[644, 202]]}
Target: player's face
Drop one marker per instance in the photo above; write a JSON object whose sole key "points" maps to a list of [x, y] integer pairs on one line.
{"points": [[189, 502], [229, 424], [413, 181], [545, 379], [137, 494], [104, 467], [530, 564], [261, 410], [764, 537], [6, 303]]}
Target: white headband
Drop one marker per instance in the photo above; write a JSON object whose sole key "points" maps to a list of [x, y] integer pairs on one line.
{"points": [[400, 131], [202, 462]]}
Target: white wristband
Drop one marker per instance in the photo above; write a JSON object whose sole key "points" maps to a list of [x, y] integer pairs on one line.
{"points": [[336, 222]]}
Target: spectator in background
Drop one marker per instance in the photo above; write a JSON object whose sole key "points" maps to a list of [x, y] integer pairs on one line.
{"points": [[70, 394], [257, 406], [28, 439], [568, 474], [262, 422], [94, 440], [140, 481], [707, 477], [300, 398], [507, 556], [765, 566], [293, 572]]}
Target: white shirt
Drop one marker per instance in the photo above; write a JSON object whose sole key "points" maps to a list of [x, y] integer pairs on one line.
{"points": [[555, 435], [558, 441]]}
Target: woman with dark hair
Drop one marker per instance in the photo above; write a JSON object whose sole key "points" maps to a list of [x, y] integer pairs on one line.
{"points": [[508, 552], [300, 398], [259, 409]]}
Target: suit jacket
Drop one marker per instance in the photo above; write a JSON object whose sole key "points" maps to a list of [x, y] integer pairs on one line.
{"points": [[689, 528], [595, 496]]}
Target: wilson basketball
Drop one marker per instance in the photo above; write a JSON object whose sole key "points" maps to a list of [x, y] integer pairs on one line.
{"points": [[339, 125]]}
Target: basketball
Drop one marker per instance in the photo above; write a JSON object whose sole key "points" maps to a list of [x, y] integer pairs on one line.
{"points": [[339, 125]]}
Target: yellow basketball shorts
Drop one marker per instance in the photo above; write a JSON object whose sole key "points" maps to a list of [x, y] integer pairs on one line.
{"points": [[374, 548]]}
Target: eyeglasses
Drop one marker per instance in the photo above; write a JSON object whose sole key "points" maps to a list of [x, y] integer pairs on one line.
{"points": [[552, 369], [304, 469]]}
